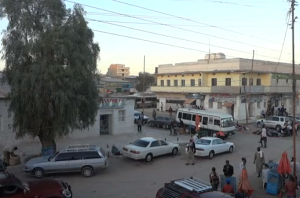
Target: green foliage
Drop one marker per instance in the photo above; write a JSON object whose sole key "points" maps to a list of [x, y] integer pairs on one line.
{"points": [[149, 80], [51, 62]]}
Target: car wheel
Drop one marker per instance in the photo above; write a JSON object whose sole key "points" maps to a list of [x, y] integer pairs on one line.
{"points": [[38, 172], [87, 171], [148, 157], [231, 149], [175, 151], [278, 128], [211, 154], [259, 124]]}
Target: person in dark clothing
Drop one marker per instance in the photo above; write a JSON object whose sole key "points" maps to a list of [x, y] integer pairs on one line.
{"points": [[214, 179], [191, 150], [140, 123], [181, 126], [228, 169]]}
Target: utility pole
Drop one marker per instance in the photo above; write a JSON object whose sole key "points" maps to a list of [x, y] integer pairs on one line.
{"points": [[246, 109], [294, 87], [250, 84], [144, 88]]}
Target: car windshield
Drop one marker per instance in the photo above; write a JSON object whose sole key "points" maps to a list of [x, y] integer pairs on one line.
{"points": [[52, 156], [141, 143], [227, 122], [203, 142]]}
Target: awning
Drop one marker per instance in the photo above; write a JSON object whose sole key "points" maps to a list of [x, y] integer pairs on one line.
{"points": [[227, 104], [189, 101]]}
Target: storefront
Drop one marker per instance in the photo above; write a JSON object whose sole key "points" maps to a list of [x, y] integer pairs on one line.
{"points": [[222, 102], [166, 100], [194, 100]]}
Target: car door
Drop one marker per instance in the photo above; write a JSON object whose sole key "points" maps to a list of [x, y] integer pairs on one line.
{"points": [[268, 122], [222, 146], [216, 146], [155, 148], [165, 148], [275, 122], [61, 162], [158, 121], [92, 158], [75, 162]]}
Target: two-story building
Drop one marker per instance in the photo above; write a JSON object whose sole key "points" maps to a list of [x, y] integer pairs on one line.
{"points": [[226, 85]]}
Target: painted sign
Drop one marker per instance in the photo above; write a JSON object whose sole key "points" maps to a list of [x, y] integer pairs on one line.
{"points": [[285, 76], [257, 98], [222, 98], [112, 103]]}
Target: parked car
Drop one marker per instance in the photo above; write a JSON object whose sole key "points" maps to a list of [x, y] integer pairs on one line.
{"points": [[149, 147], [297, 117], [210, 146], [12, 187], [137, 114], [191, 188], [78, 158], [274, 122], [164, 122]]}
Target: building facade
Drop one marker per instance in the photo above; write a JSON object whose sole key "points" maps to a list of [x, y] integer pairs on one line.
{"points": [[118, 70], [232, 86]]}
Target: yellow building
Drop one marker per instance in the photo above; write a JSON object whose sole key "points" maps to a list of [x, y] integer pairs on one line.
{"points": [[225, 85]]}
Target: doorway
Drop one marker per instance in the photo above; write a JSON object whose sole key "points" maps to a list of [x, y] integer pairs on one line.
{"points": [[105, 124]]}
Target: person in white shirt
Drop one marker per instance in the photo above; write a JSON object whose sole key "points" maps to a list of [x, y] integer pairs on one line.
{"points": [[8, 151], [264, 137], [195, 138]]}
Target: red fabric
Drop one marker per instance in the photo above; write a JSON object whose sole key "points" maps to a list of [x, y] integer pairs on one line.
{"points": [[290, 188], [197, 122], [244, 184], [228, 189], [284, 164], [220, 133]]}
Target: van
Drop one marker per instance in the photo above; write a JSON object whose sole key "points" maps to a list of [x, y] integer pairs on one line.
{"points": [[213, 121]]}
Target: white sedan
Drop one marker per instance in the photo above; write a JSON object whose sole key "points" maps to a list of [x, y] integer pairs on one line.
{"points": [[149, 147], [210, 146]]}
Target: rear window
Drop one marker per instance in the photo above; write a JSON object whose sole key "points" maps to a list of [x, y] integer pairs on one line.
{"points": [[203, 142], [141, 143]]}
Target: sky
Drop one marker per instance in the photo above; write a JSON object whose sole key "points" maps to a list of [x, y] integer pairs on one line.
{"points": [[232, 27]]}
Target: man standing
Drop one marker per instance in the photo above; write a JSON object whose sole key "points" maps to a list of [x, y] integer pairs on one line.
{"points": [[228, 169], [263, 137], [170, 111], [8, 151], [181, 126], [161, 106], [139, 123], [191, 149], [154, 114], [259, 160], [290, 187]]}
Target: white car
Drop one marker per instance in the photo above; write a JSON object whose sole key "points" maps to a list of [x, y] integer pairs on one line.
{"points": [[149, 147], [210, 146]]}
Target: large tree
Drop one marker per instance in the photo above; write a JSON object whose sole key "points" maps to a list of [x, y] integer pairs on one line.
{"points": [[50, 60], [149, 80]]}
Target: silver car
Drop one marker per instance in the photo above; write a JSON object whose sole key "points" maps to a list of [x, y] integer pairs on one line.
{"points": [[78, 158]]}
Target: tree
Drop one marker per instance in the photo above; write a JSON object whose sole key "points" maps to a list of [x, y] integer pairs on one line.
{"points": [[149, 80], [50, 60]]}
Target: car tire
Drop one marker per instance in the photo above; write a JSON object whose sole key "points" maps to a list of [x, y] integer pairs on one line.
{"points": [[149, 157], [278, 128], [258, 124], [87, 171], [230, 149], [175, 151], [211, 154], [38, 172]]}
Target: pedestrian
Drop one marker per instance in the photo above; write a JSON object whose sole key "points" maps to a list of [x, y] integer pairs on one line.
{"points": [[161, 106], [272, 110], [172, 128], [297, 179], [191, 150], [262, 113], [243, 164], [143, 116], [228, 188], [8, 151], [195, 138], [259, 160], [154, 114], [228, 169], [214, 179], [170, 111], [139, 123], [181, 125], [263, 140], [290, 187]]}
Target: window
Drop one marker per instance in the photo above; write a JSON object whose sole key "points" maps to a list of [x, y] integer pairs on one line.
{"points": [[141, 143], [215, 142], [269, 118], [210, 120], [216, 122], [258, 81], [168, 83], [163, 143], [63, 157], [175, 82], [182, 83], [244, 81], [162, 83], [76, 156], [91, 155], [213, 82], [121, 115], [199, 83], [276, 103], [193, 117], [287, 81], [192, 82], [155, 144], [204, 121], [228, 81], [275, 119], [210, 105], [186, 116], [219, 105], [180, 115], [258, 104], [219, 141], [281, 119], [250, 81], [203, 142]]}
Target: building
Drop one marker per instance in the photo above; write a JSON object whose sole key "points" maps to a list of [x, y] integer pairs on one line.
{"points": [[115, 85], [225, 85], [115, 116], [118, 70]]}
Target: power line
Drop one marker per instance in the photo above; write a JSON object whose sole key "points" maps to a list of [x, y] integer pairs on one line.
{"points": [[173, 26]]}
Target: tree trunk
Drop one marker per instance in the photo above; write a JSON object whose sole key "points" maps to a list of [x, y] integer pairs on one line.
{"points": [[45, 141]]}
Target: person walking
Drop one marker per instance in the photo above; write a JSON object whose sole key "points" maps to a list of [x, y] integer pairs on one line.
{"points": [[191, 149], [290, 187], [263, 140], [242, 166], [181, 125], [228, 169], [161, 106], [140, 123], [154, 114], [214, 179], [170, 111], [259, 161]]}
